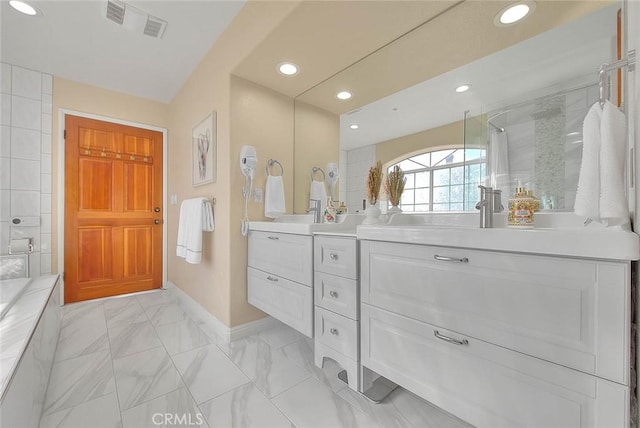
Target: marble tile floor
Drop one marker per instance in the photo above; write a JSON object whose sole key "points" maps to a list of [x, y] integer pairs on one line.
{"points": [[143, 361]]}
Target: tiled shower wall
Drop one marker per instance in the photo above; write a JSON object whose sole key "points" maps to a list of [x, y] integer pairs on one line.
{"points": [[25, 160]]}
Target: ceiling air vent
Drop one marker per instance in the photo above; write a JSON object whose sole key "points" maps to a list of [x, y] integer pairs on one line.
{"points": [[155, 26], [115, 11]]}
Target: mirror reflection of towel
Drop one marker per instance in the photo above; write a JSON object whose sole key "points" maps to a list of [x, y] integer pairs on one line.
{"points": [[318, 191], [274, 205]]}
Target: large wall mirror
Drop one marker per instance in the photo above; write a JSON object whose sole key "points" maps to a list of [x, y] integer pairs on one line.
{"points": [[521, 119]]}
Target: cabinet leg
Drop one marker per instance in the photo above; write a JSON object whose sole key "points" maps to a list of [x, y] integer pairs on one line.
{"points": [[373, 386]]}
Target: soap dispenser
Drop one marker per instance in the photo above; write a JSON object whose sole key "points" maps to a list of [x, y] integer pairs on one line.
{"points": [[521, 207]]}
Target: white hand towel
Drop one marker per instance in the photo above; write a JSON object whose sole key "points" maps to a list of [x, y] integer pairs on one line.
{"points": [[318, 191], [274, 205], [613, 202], [587, 202], [208, 219], [193, 220]]}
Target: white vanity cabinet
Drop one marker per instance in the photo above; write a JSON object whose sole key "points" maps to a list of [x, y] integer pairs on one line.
{"points": [[500, 339], [280, 277], [336, 304]]}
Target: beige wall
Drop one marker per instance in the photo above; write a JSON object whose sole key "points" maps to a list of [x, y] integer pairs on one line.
{"points": [[445, 136], [83, 98], [261, 118], [219, 281], [317, 136]]}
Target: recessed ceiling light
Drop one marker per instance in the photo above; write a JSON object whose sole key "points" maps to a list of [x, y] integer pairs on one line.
{"points": [[23, 7], [354, 126], [463, 88], [514, 13], [344, 95], [288, 68]]}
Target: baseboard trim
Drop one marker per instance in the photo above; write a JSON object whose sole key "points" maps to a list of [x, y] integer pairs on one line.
{"points": [[228, 334]]}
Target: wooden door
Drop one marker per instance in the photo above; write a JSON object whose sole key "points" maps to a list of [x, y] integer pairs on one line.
{"points": [[113, 209]]}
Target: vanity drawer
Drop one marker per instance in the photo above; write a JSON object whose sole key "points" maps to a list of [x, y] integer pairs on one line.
{"points": [[337, 332], [336, 294], [337, 256], [287, 301], [283, 254], [484, 384], [569, 311]]}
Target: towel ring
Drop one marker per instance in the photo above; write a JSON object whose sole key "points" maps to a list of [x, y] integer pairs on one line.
{"points": [[270, 163], [318, 169]]}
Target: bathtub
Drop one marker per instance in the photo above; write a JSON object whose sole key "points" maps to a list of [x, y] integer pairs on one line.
{"points": [[29, 327]]}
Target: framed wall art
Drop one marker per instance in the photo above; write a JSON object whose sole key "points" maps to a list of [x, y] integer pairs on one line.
{"points": [[203, 151]]}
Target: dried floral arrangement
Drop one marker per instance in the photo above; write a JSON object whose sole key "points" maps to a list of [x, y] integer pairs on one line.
{"points": [[394, 185], [374, 181]]}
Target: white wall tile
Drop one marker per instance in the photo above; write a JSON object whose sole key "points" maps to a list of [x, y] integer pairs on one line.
{"points": [[25, 174], [25, 113], [45, 226], [46, 123], [25, 144], [46, 163], [45, 183], [26, 83], [45, 203], [5, 78], [45, 264], [47, 103], [47, 84], [5, 228], [5, 141], [25, 203], [5, 205], [5, 173], [33, 232], [45, 243], [46, 143], [5, 109]]}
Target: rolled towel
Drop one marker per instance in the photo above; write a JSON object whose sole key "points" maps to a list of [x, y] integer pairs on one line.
{"points": [[274, 205], [587, 202], [614, 209]]}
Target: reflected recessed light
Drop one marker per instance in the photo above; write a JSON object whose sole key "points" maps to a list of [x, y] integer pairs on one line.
{"points": [[354, 126], [288, 68], [463, 88], [514, 13], [23, 7], [344, 95]]}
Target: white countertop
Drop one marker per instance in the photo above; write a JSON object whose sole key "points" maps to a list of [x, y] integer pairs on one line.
{"points": [[301, 224], [597, 243]]}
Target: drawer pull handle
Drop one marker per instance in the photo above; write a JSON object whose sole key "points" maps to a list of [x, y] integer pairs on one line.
{"points": [[437, 334], [333, 256], [333, 294], [451, 259], [334, 331], [272, 279], [273, 238]]}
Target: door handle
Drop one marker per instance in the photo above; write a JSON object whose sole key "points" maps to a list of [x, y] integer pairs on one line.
{"points": [[451, 259], [156, 221], [156, 210]]}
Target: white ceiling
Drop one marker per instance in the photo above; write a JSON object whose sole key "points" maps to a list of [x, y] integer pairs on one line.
{"points": [[532, 68], [74, 40]]}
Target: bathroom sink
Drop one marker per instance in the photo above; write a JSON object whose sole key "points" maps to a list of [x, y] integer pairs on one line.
{"points": [[564, 236], [302, 224]]}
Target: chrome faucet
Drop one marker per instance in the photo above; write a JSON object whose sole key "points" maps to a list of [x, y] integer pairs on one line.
{"points": [[486, 206], [315, 208]]}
